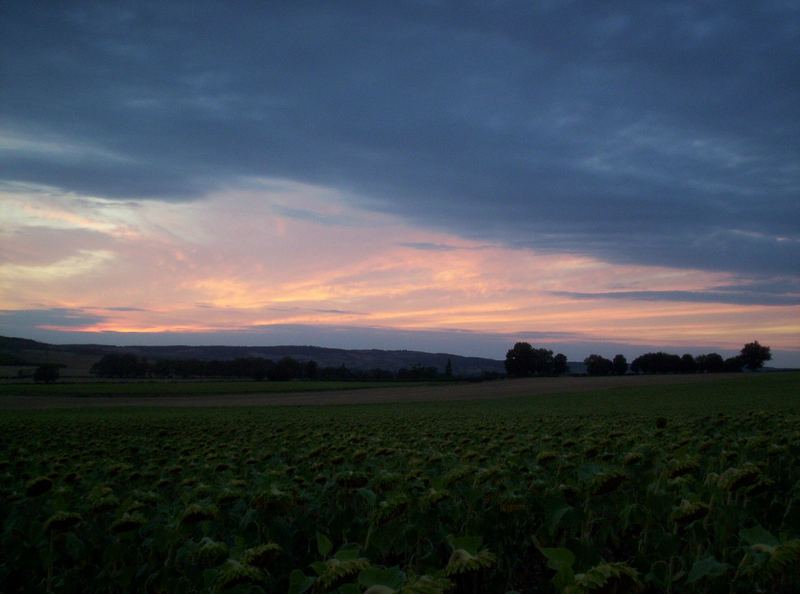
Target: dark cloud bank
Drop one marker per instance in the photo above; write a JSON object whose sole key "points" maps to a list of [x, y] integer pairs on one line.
{"points": [[657, 133]]}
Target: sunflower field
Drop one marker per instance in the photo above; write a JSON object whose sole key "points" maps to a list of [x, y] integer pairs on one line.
{"points": [[586, 493]]}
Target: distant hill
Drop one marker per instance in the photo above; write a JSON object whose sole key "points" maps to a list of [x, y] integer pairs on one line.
{"points": [[79, 358]]}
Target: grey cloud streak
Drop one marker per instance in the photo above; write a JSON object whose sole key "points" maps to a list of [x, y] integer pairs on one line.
{"points": [[656, 133], [737, 298]]}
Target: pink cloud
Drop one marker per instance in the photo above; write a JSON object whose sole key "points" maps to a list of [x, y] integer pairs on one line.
{"points": [[300, 255]]}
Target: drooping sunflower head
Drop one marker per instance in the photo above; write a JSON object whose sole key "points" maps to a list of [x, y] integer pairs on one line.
{"points": [[274, 498], [102, 498], [198, 512], [38, 485], [632, 458], [607, 482], [783, 557], [427, 585], [62, 521], [336, 570], [234, 574], [734, 479], [433, 496], [211, 552], [391, 508], [689, 512], [606, 578], [546, 457], [462, 561], [678, 468], [350, 479], [128, 522], [262, 555]]}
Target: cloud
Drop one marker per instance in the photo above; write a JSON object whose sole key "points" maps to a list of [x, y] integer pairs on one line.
{"points": [[79, 264], [311, 216], [229, 264], [658, 134], [22, 322], [428, 247], [734, 297]]}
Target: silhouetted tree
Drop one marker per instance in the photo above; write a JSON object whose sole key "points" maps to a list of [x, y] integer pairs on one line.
{"points": [[259, 368], [448, 369], [753, 355], [733, 364], [417, 372], [543, 362], [310, 369], [656, 363], [524, 360], [284, 370], [620, 365], [597, 365], [710, 363], [688, 364], [560, 366], [378, 374], [47, 373], [120, 365], [519, 360]]}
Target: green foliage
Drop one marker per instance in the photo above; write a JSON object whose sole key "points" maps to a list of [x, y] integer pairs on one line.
{"points": [[560, 561], [708, 567]]}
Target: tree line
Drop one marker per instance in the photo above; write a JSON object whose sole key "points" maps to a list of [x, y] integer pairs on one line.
{"points": [[128, 365], [524, 361]]}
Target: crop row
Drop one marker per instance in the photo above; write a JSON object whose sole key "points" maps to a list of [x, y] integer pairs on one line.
{"points": [[247, 502]]}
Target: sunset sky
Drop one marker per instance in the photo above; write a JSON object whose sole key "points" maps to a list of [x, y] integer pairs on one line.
{"points": [[590, 177]]}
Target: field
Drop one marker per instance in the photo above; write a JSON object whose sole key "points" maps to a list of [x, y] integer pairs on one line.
{"points": [[299, 393], [182, 388], [691, 487]]}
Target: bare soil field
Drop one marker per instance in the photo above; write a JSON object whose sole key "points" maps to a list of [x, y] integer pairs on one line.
{"points": [[451, 392]]}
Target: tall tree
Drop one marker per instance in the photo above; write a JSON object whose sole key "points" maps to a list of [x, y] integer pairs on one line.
{"points": [[598, 365], [560, 366], [524, 360], [620, 364], [733, 364], [753, 355], [688, 364], [710, 363], [542, 362], [519, 360]]}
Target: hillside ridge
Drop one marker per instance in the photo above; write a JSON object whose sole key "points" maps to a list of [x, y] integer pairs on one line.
{"points": [[36, 352]]}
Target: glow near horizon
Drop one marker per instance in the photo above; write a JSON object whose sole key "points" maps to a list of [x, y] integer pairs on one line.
{"points": [[278, 252]]}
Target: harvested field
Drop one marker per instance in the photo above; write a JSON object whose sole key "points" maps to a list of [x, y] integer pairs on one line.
{"points": [[493, 390]]}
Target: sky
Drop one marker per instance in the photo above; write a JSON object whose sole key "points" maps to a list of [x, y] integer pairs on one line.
{"points": [[593, 177]]}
